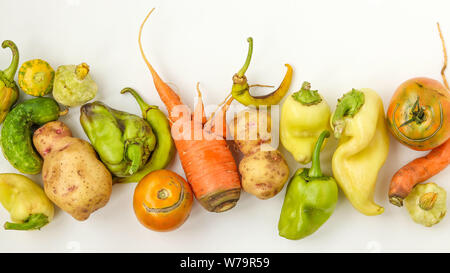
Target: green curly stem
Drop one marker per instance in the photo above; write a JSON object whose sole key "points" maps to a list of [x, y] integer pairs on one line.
{"points": [[249, 57], [134, 154], [348, 105], [9, 72], [306, 96], [142, 104], [34, 221], [315, 171]]}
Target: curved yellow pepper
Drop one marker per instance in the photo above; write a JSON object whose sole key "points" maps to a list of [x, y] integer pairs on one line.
{"points": [[359, 123], [26, 202], [304, 116]]}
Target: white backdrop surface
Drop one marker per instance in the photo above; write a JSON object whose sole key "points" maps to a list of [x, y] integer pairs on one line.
{"points": [[335, 45]]}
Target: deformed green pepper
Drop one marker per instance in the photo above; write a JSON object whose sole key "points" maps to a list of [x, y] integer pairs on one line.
{"points": [[123, 141], [310, 199], [241, 90], [9, 92], [26, 202], [165, 147]]}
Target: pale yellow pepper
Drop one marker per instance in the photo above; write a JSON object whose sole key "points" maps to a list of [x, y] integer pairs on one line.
{"points": [[304, 116], [359, 124], [26, 202]]}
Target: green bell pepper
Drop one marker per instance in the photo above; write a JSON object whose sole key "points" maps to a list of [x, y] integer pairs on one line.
{"points": [[310, 199]]}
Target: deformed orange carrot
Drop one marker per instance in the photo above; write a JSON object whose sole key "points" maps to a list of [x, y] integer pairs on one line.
{"points": [[207, 161], [417, 171]]}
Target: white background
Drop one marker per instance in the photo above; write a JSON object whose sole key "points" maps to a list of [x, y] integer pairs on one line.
{"points": [[335, 45]]}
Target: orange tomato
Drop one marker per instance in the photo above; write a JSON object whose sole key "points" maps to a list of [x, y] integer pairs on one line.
{"points": [[419, 114], [162, 200]]}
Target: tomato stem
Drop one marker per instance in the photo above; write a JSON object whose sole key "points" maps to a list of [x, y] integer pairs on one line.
{"points": [[418, 115]]}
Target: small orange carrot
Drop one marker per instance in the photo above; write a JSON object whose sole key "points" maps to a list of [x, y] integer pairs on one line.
{"points": [[207, 161], [417, 171]]}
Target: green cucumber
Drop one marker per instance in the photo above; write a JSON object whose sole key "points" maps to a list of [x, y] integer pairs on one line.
{"points": [[16, 134]]}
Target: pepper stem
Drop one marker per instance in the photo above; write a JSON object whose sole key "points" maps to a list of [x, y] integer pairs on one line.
{"points": [[249, 57], [306, 96], [315, 170], [142, 104], [34, 221], [134, 154], [9, 72], [348, 105]]}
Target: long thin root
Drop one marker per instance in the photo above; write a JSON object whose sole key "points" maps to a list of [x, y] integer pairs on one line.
{"points": [[445, 57]]}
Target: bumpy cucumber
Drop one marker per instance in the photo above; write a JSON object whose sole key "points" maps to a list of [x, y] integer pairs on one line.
{"points": [[16, 134]]}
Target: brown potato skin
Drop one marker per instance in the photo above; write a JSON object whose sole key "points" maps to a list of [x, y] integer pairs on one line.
{"points": [[263, 169], [264, 173], [74, 179]]}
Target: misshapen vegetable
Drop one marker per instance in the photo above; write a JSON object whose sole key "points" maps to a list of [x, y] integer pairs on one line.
{"points": [[9, 92], [26, 202], [417, 171], [263, 169], [304, 115], [165, 147], [74, 179], [241, 90], [124, 141], [17, 131], [310, 199], [427, 204], [73, 85], [162, 200], [419, 112], [358, 122], [207, 161]]}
